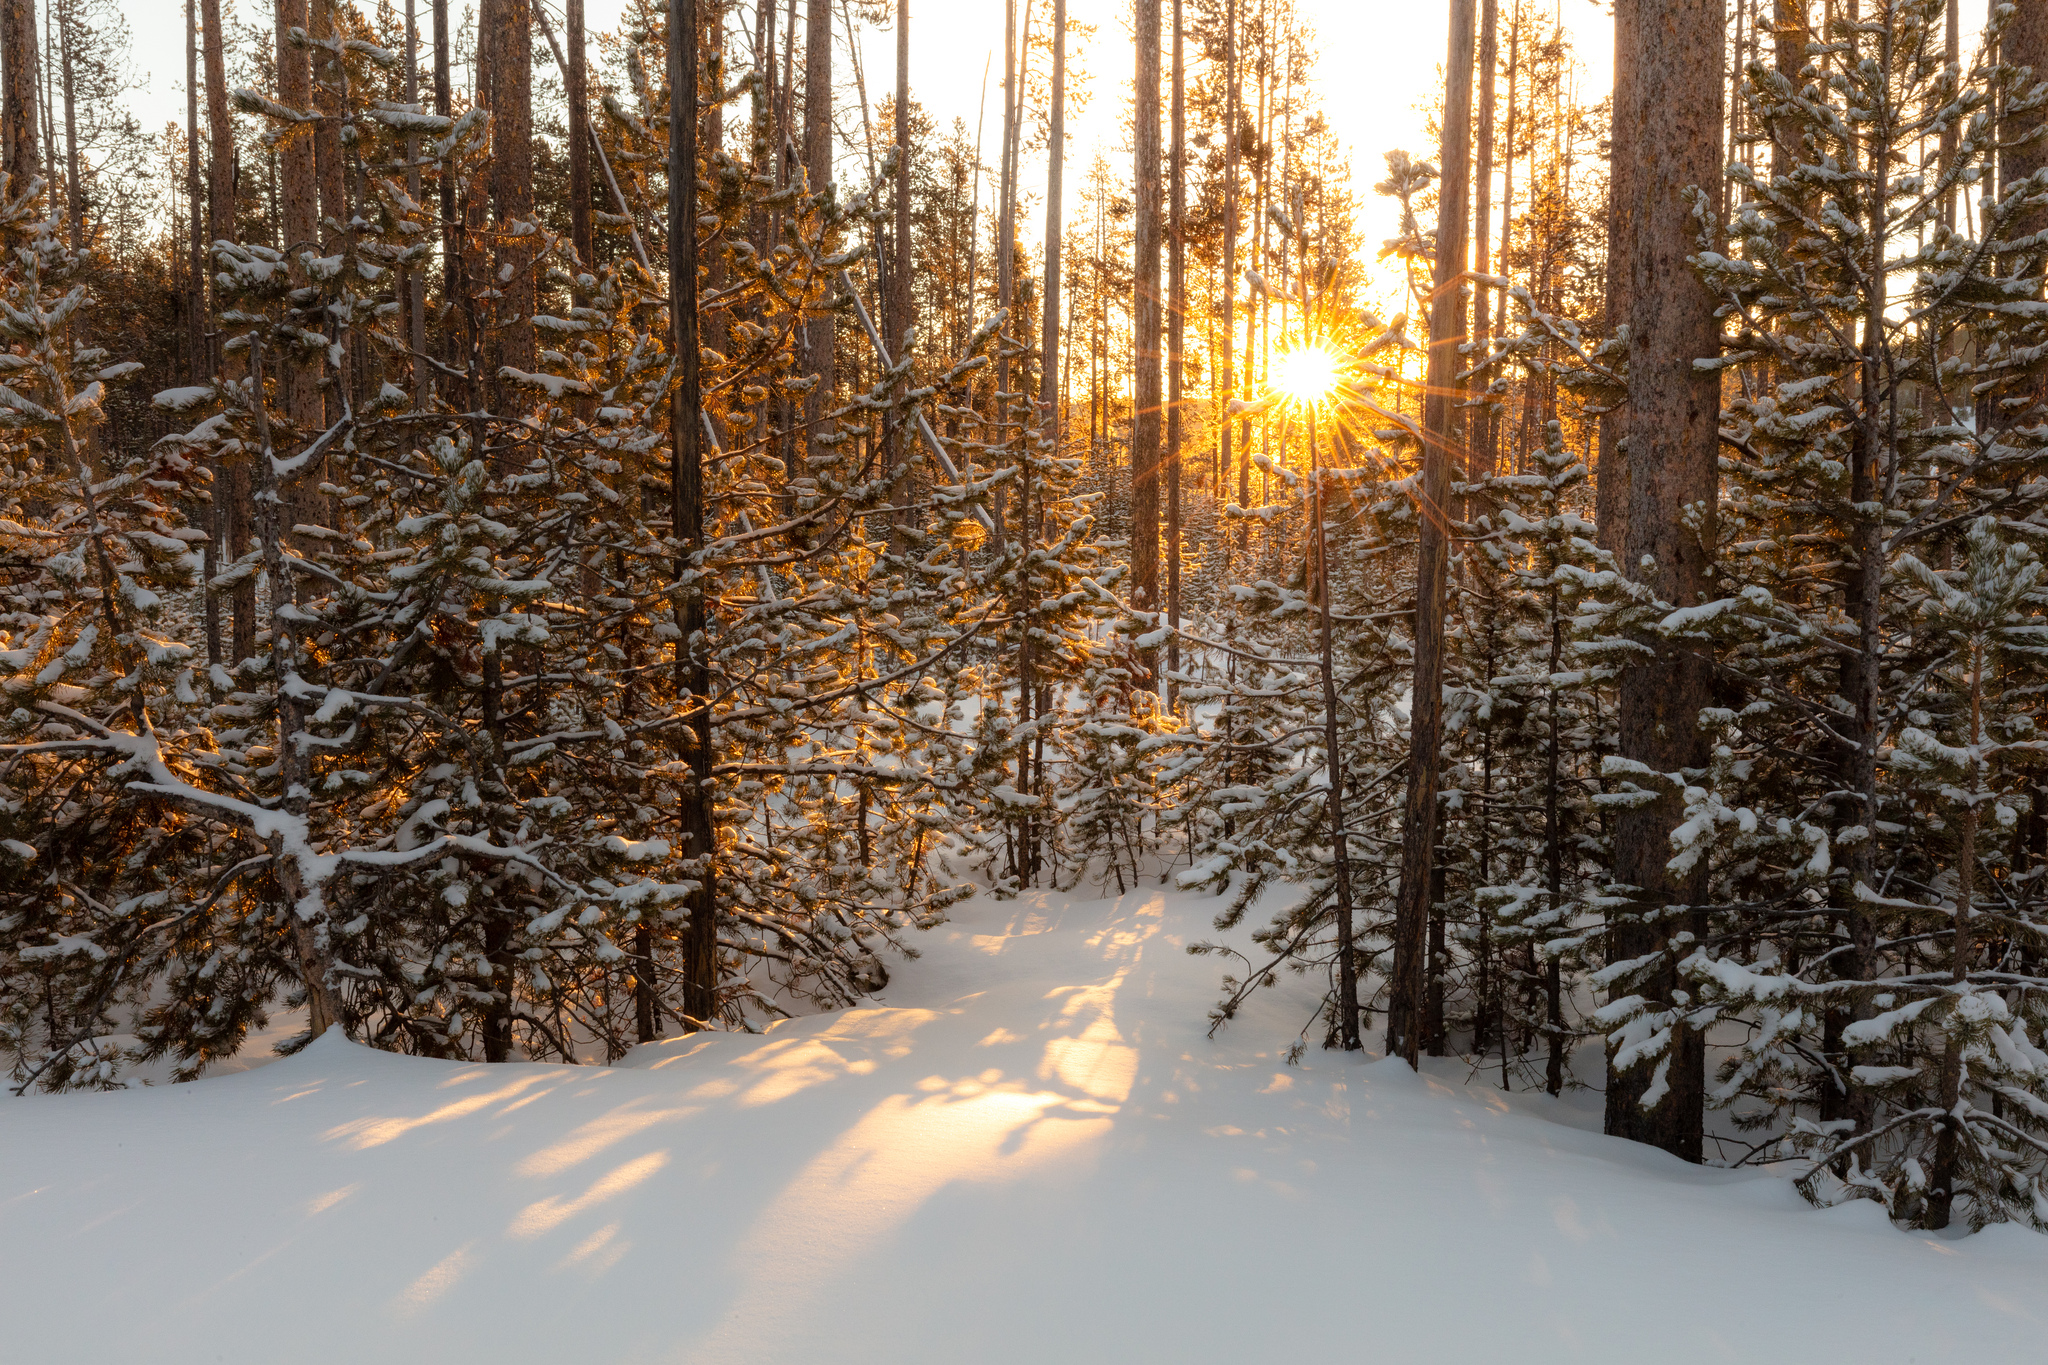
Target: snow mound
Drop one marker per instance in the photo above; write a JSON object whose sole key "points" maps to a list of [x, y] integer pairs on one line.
{"points": [[1029, 1152]]}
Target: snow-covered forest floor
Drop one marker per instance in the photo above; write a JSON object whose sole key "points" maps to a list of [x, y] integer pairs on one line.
{"points": [[1028, 1151]]}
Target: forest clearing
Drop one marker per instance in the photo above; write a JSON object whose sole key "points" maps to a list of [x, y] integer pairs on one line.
{"points": [[855, 717]]}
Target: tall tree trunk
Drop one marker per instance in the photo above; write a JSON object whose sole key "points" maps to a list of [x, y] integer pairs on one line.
{"points": [[220, 132], [1611, 483], [1055, 166], [74, 184], [195, 306], [1479, 448], [20, 144], [903, 300], [1228, 388], [329, 170], [818, 358], [577, 80], [412, 284], [1673, 124], [512, 183], [300, 202], [1441, 440], [1176, 340], [1145, 328], [686, 488], [231, 487]]}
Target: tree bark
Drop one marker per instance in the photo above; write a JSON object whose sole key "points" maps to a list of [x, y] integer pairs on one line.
{"points": [[686, 486], [818, 357], [20, 143], [1674, 51], [1176, 340], [1145, 329], [1441, 445], [903, 300], [195, 307], [1611, 487], [577, 80], [512, 184], [1228, 387], [1479, 449]]}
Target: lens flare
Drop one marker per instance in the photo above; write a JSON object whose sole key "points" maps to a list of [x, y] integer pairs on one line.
{"points": [[1305, 375]]}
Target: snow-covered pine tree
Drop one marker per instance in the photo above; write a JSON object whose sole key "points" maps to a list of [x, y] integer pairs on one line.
{"points": [[1882, 372]]}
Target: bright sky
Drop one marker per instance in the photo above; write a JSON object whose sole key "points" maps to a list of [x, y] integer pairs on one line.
{"points": [[952, 39], [1378, 62]]}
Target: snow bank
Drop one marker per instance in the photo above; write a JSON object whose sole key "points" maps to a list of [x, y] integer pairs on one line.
{"points": [[1030, 1152]]}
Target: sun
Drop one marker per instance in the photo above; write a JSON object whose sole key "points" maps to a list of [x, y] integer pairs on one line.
{"points": [[1306, 374]]}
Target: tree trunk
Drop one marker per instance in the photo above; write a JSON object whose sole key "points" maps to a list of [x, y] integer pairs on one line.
{"points": [[686, 485], [1611, 487], [1145, 328], [20, 144], [1673, 125], [577, 79], [818, 358], [512, 184], [1479, 448], [1228, 387], [1176, 340], [1441, 444], [300, 203], [903, 300], [219, 132], [195, 307]]}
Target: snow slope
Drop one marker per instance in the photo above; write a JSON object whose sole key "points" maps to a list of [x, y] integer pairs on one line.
{"points": [[1031, 1153]]}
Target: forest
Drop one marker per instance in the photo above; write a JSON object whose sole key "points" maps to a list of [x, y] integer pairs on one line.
{"points": [[521, 543]]}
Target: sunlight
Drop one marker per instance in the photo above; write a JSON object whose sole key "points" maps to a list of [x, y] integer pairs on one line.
{"points": [[1306, 374]]}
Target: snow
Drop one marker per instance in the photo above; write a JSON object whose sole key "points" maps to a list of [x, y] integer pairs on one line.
{"points": [[1029, 1151]]}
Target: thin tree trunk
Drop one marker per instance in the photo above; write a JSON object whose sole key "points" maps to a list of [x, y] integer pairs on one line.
{"points": [[1228, 387], [1611, 484], [1941, 1181], [414, 286], [1176, 343], [902, 298], [1145, 326], [1479, 449], [1673, 124], [577, 82], [1405, 1007], [818, 358], [686, 486]]}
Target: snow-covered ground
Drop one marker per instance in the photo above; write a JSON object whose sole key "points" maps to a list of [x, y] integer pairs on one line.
{"points": [[1031, 1152]]}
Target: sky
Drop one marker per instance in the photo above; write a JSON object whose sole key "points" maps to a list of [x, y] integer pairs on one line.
{"points": [[953, 40], [1377, 67]]}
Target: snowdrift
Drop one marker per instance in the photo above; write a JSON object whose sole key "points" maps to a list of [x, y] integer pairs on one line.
{"points": [[1029, 1152]]}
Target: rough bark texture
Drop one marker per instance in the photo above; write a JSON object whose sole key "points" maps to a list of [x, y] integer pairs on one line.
{"points": [[2026, 44], [818, 166], [1145, 322], [686, 482], [1176, 340], [1610, 489], [1227, 390], [512, 182], [328, 163], [1674, 126], [1441, 423], [577, 79], [902, 299], [20, 139], [1479, 447], [220, 180], [1049, 331]]}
